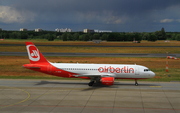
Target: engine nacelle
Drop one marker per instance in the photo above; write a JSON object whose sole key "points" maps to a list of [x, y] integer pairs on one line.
{"points": [[107, 80]]}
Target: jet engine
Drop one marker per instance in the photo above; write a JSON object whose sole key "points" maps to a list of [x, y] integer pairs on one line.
{"points": [[107, 80]]}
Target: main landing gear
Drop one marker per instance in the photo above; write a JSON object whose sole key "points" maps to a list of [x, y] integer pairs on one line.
{"points": [[91, 83], [136, 83], [93, 80]]}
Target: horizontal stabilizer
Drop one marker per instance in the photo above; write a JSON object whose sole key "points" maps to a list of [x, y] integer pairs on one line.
{"points": [[31, 66]]}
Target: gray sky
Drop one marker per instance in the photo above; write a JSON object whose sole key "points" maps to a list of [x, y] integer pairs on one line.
{"points": [[115, 15]]}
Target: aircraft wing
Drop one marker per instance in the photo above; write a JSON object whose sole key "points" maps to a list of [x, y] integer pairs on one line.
{"points": [[96, 75]]}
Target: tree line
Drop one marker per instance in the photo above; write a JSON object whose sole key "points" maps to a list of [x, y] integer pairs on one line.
{"points": [[80, 36]]}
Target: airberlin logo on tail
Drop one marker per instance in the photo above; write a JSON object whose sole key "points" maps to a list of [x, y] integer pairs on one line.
{"points": [[33, 53]]}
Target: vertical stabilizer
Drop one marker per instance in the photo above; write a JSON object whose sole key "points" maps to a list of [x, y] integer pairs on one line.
{"points": [[34, 54]]}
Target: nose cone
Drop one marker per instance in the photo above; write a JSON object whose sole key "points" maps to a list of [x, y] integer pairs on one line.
{"points": [[152, 74]]}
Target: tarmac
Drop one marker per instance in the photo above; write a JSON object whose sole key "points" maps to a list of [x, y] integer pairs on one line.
{"points": [[92, 54], [75, 96]]}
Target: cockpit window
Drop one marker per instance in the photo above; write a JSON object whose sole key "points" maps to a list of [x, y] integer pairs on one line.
{"points": [[146, 70]]}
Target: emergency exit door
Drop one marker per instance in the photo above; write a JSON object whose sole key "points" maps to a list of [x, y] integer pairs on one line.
{"points": [[136, 70]]}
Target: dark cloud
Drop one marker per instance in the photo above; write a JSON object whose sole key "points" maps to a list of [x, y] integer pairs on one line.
{"points": [[117, 6], [130, 15]]}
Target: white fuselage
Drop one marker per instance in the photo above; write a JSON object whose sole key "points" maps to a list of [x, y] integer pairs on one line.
{"points": [[105, 70]]}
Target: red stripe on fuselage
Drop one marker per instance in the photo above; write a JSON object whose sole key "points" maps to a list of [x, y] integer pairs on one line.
{"points": [[49, 69]]}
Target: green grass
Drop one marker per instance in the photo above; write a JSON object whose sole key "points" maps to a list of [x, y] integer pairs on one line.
{"points": [[93, 49], [116, 43]]}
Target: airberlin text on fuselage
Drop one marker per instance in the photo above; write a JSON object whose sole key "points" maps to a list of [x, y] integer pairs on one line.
{"points": [[110, 69]]}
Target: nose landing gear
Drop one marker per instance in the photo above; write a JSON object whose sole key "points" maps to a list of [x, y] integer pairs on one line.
{"points": [[136, 83]]}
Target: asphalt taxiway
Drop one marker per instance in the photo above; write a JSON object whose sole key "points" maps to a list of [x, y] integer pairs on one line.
{"points": [[56, 96], [92, 54]]}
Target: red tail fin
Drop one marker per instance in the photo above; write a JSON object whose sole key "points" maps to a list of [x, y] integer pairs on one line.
{"points": [[34, 54]]}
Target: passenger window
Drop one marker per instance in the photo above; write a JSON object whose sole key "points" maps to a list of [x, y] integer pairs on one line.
{"points": [[146, 70]]}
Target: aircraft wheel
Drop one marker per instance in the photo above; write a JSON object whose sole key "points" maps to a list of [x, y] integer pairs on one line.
{"points": [[136, 84], [91, 83]]}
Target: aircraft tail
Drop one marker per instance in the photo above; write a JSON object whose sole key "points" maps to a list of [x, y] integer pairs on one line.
{"points": [[34, 54]]}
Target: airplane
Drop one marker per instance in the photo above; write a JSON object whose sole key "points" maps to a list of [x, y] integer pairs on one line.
{"points": [[103, 73]]}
